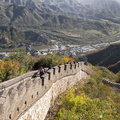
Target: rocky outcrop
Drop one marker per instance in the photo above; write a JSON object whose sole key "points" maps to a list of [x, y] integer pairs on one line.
{"points": [[4, 40]]}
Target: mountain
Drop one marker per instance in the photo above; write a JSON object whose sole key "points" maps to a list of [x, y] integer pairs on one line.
{"points": [[109, 9], [108, 57], [12, 14], [14, 37], [67, 21], [115, 67], [94, 9]]}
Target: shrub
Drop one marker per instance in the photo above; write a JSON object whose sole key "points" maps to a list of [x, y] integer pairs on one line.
{"points": [[8, 69], [82, 107], [66, 59], [15, 65], [46, 61], [26, 61]]}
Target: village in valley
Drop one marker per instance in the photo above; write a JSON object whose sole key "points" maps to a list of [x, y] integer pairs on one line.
{"points": [[60, 49]]}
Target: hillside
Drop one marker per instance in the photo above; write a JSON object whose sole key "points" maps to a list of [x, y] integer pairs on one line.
{"points": [[115, 67], [12, 37], [12, 14], [108, 57]]}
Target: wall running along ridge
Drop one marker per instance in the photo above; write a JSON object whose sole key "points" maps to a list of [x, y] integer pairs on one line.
{"points": [[112, 84], [27, 98]]}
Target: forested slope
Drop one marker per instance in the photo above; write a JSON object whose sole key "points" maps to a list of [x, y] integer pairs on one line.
{"points": [[108, 57]]}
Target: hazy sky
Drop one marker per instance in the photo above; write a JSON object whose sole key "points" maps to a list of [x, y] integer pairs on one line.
{"points": [[92, 0]]}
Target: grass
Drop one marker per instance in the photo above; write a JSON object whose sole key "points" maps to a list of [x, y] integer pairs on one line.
{"points": [[13, 49], [41, 47]]}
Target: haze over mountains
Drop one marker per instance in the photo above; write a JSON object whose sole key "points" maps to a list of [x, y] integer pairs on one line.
{"points": [[78, 8], [68, 21]]}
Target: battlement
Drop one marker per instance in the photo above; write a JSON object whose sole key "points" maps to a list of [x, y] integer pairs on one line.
{"points": [[112, 84], [19, 94]]}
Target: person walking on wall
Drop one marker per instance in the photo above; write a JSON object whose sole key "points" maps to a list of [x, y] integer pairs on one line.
{"points": [[41, 71], [50, 67]]}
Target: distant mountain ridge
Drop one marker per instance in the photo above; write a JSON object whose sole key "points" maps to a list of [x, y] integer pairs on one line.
{"points": [[95, 9], [13, 14]]}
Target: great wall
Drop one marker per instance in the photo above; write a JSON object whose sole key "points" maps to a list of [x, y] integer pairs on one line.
{"points": [[27, 98], [112, 84]]}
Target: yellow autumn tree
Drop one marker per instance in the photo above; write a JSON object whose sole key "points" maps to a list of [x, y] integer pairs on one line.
{"points": [[8, 69], [67, 59]]}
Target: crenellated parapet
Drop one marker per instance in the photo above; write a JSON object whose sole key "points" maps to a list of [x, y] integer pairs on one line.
{"points": [[112, 84], [19, 94]]}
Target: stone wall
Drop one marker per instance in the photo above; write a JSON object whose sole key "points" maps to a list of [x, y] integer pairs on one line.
{"points": [[112, 84], [27, 98]]}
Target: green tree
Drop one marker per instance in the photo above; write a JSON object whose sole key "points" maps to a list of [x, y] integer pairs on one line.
{"points": [[25, 60]]}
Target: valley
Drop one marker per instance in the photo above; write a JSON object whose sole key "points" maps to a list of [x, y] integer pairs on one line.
{"points": [[49, 46]]}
